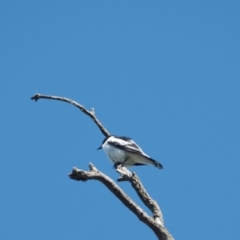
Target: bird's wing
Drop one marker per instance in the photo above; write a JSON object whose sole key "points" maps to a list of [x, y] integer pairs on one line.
{"points": [[128, 145]]}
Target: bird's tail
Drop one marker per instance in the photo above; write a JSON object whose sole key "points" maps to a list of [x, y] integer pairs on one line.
{"points": [[148, 160], [156, 163], [137, 160]]}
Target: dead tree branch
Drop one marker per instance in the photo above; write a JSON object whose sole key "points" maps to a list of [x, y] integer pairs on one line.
{"points": [[156, 222], [144, 196], [91, 113]]}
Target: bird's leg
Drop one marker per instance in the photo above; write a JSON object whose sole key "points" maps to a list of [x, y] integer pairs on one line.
{"points": [[116, 165], [119, 164], [124, 161]]}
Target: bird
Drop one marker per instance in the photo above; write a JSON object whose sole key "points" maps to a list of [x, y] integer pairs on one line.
{"points": [[123, 151]]}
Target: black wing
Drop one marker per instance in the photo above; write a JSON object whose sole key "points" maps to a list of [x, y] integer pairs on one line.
{"points": [[127, 144]]}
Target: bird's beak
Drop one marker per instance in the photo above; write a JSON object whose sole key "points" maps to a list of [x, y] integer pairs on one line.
{"points": [[99, 148]]}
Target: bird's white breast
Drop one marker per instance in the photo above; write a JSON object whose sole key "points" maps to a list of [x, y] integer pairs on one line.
{"points": [[113, 153]]}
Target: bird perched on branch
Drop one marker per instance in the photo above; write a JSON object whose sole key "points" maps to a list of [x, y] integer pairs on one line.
{"points": [[123, 151]]}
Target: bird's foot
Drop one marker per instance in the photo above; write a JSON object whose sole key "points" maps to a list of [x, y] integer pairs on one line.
{"points": [[117, 165]]}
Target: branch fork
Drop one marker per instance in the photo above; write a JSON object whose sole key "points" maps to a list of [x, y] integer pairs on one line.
{"points": [[155, 222]]}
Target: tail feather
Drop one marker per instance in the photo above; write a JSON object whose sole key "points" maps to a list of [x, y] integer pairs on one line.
{"points": [[156, 163], [138, 160], [151, 162]]}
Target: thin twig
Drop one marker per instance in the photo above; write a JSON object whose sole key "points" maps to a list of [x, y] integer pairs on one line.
{"points": [[91, 113]]}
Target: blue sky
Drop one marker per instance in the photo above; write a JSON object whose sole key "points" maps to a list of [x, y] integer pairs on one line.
{"points": [[165, 73]]}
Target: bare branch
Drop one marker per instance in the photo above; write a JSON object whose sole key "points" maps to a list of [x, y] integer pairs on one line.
{"points": [[94, 174], [144, 196], [156, 222], [91, 113]]}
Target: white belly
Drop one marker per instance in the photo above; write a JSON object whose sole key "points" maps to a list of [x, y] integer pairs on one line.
{"points": [[114, 154]]}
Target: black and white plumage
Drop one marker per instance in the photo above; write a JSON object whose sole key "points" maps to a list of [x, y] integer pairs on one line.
{"points": [[124, 151]]}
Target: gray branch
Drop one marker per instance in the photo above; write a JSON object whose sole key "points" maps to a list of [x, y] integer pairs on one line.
{"points": [[91, 113], [155, 222], [143, 195]]}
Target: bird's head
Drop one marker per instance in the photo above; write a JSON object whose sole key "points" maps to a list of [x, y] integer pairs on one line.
{"points": [[104, 140]]}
